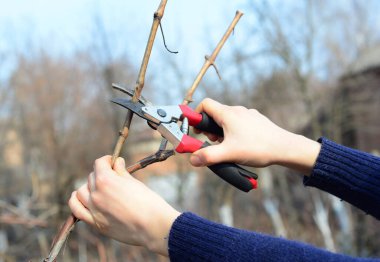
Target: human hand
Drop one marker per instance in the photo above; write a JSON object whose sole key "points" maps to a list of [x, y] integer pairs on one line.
{"points": [[252, 139], [123, 208]]}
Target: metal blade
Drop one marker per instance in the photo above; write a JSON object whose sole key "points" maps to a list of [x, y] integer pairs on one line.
{"points": [[128, 104], [130, 92]]}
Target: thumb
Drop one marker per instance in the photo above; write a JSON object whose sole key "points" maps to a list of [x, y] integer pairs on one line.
{"points": [[209, 155], [119, 167]]}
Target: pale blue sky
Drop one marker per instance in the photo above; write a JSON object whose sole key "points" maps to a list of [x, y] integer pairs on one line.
{"points": [[191, 27], [67, 23]]}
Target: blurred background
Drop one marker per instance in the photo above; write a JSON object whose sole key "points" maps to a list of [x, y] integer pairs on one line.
{"points": [[313, 67]]}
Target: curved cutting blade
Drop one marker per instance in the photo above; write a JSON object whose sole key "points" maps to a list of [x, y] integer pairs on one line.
{"points": [[134, 107], [131, 92]]}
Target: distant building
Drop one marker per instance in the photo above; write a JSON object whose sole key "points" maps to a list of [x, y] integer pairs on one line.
{"points": [[357, 103]]}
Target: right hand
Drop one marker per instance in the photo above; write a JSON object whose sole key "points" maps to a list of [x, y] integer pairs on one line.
{"points": [[252, 139]]}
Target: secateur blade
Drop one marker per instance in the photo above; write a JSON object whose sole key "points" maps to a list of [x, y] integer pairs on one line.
{"points": [[128, 104], [131, 92]]}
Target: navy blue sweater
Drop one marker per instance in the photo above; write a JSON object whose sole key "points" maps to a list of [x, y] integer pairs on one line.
{"points": [[351, 175]]}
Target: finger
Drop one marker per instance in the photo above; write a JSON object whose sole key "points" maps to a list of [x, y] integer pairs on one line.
{"points": [[209, 156], [212, 137], [196, 131], [83, 195], [79, 211], [119, 167], [91, 182], [103, 164], [213, 108]]}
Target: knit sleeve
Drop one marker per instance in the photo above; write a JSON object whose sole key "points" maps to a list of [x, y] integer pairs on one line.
{"points": [[193, 238], [349, 174]]}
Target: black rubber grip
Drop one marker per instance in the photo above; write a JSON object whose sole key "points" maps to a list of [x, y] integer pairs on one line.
{"points": [[233, 174], [208, 125]]}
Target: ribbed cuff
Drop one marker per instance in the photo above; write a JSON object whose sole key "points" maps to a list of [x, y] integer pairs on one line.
{"points": [[193, 238], [349, 174]]}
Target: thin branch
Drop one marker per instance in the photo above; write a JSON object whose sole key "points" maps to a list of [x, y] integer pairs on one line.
{"points": [[210, 60], [159, 156], [61, 237], [140, 80]]}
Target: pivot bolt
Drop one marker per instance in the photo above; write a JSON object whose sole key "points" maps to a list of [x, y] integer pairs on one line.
{"points": [[161, 112]]}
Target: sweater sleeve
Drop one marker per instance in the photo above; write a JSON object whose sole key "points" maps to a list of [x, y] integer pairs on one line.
{"points": [[349, 174], [193, 238]]}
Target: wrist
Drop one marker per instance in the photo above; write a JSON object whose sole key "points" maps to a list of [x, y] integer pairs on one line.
{"points": [[158, 232], [299, 153]]}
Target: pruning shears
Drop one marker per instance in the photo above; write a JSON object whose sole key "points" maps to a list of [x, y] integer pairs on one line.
{"points": [[165, 120]]}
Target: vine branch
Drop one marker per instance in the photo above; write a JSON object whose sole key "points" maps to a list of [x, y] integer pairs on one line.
{"points": [[210, 60], [70, 222], [123, 134]]}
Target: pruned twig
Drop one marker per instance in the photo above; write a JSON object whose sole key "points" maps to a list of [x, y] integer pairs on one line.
{"points": [[159, 156]]}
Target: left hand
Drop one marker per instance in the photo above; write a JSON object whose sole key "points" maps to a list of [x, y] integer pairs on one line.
{"points": [[123, 208]]}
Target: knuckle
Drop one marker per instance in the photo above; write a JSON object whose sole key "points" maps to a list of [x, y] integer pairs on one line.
{"points": [[207, 158], [97, 162], [233, 111], [102, 181], [253, 110], [80, 194], [81, 197], [207, 100], [74, 210], [71, 199], [89, 179], [240, 109], [97, 200]]}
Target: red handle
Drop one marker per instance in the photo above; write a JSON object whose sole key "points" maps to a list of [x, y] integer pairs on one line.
{"points": [[189, 144], [193, 117], [201, 121]]}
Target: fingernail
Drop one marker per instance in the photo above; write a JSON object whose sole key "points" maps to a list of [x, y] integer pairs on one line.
{"points": [[196, 160]]}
